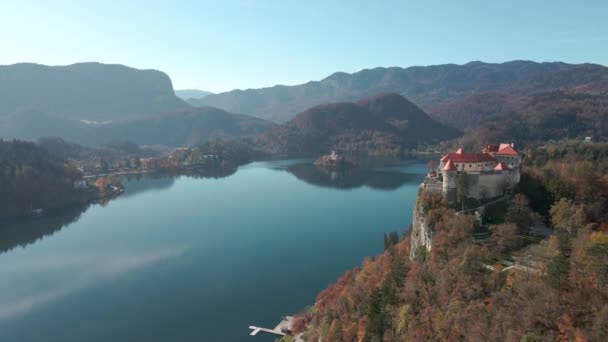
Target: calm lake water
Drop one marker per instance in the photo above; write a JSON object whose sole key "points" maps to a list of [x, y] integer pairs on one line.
{"points": [[197, 259]]}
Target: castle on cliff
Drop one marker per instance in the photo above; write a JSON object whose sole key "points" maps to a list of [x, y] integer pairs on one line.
{"points": [[489, 174]]}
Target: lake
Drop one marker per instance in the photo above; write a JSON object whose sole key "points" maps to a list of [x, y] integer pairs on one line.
{"points": [[198, 259]]}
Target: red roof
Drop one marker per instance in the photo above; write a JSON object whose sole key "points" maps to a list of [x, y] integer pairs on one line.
{"points": [[501, 167], [469, 157], [450, 166], [507, 150], [504, 149]]}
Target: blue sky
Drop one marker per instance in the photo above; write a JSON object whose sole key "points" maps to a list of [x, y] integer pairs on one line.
{"points": [[223, 45]]}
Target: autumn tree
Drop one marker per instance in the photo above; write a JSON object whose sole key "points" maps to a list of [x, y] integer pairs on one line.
{"points": [[102, 184], [519, 213], [335, 332], [567, 216], [504, 238], [598, 259], [299, 325], [600, 325], [559, 267]]}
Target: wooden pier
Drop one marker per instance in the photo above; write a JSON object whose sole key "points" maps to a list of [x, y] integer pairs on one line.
{"points": [[278, 330]]}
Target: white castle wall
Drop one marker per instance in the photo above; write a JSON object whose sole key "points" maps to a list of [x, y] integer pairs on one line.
{"points": [[449, 180], [471, 167], [512, 161], [491, 184]]}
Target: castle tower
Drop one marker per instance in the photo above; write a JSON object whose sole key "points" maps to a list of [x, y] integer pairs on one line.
{"points": [[449, 181]]}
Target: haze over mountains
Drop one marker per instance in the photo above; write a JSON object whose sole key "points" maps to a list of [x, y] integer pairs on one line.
{"points": [[447, 92], [93, 104], [87, 91]]}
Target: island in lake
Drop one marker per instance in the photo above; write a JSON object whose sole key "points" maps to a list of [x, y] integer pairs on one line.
{"points": [[335, 161]]}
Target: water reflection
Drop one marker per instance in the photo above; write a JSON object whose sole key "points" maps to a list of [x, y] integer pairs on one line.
{"points": [[189, 260], [157, 181], [24, 232], [88, 269], [380, 179]]}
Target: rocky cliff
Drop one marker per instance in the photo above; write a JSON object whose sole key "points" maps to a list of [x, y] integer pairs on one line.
{"points": [[421, 233], [86, 91]]}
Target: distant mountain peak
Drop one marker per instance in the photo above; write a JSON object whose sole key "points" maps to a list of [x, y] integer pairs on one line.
{"points": [[428, 87], [86, 91]]}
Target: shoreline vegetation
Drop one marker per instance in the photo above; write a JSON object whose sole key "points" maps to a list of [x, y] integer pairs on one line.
{"points": [[53, 174], [559, 282], [508, 286]]}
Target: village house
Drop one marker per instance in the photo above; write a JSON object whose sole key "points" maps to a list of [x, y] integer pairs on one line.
{"points": [[80, 184], [489, 173]]}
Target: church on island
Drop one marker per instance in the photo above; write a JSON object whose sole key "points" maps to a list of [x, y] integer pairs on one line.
{"points": [[488, 174]]}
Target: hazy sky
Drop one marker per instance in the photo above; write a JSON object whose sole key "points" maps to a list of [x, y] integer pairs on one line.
{"points": [[222, 45]]}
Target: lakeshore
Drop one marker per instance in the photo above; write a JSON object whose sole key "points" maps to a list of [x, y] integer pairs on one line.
{"points": [[164, 252]]}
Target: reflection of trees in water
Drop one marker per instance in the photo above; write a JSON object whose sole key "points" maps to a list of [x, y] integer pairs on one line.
{"points": [[350, 179], [24, 232], [142, 182], [215, 173]]}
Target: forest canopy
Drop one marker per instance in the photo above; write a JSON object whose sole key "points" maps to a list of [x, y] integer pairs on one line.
{"points": [[30, 178]]}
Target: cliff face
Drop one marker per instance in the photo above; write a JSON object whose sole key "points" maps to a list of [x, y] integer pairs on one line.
{"points": [[86, 91], [421, 234]]}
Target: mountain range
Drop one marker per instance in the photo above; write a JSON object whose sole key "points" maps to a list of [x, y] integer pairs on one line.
{"points": [[457, 95], [93, 104]]}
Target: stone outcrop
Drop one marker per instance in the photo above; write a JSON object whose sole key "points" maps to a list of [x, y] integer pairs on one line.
{"points": [[421, 233], [87, 91]]}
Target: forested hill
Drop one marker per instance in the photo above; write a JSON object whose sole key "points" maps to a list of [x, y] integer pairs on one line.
{"points": [[548, 116], [184, 127], [440, 90], [554, 290], [31, 178], [468, 111], [385, 124], [86, 91]]}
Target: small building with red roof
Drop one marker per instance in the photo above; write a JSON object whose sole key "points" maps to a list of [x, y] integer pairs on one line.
{"points": [[504, 153]]}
